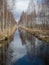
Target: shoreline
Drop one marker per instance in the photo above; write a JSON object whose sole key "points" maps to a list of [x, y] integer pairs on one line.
{"points": [[40, 34], [7, 35]]}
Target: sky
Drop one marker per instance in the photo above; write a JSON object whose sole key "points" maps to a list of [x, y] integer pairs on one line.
{"points": [[18, 8], [20, 5]]}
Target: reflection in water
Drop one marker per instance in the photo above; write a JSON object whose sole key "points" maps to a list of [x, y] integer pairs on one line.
{"points": [[35, 47], [13, 52], [25, 46]]}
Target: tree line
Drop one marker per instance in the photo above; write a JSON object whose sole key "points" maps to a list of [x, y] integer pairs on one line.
{"points": [[6, 16], [37, 15]]}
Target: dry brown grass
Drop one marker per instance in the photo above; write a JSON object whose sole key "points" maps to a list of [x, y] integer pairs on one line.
{"points": [[41, 34], [7, 32]]}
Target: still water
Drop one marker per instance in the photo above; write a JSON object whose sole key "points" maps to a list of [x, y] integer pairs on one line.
{"points": [[25, 49]]}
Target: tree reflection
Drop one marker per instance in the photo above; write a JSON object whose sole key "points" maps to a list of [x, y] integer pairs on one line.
{"points": [[35, 47], [5, 54]]}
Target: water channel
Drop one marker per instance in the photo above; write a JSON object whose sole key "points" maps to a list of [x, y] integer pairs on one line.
{"points": [[24, 49]]}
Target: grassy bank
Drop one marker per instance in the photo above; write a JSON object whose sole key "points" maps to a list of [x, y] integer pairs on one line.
{"points": [[7, 33], [40, 34]]}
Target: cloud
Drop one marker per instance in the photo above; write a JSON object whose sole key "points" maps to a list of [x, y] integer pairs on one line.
{"points": [[21, 0], [20, 5], [17, 16]]}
